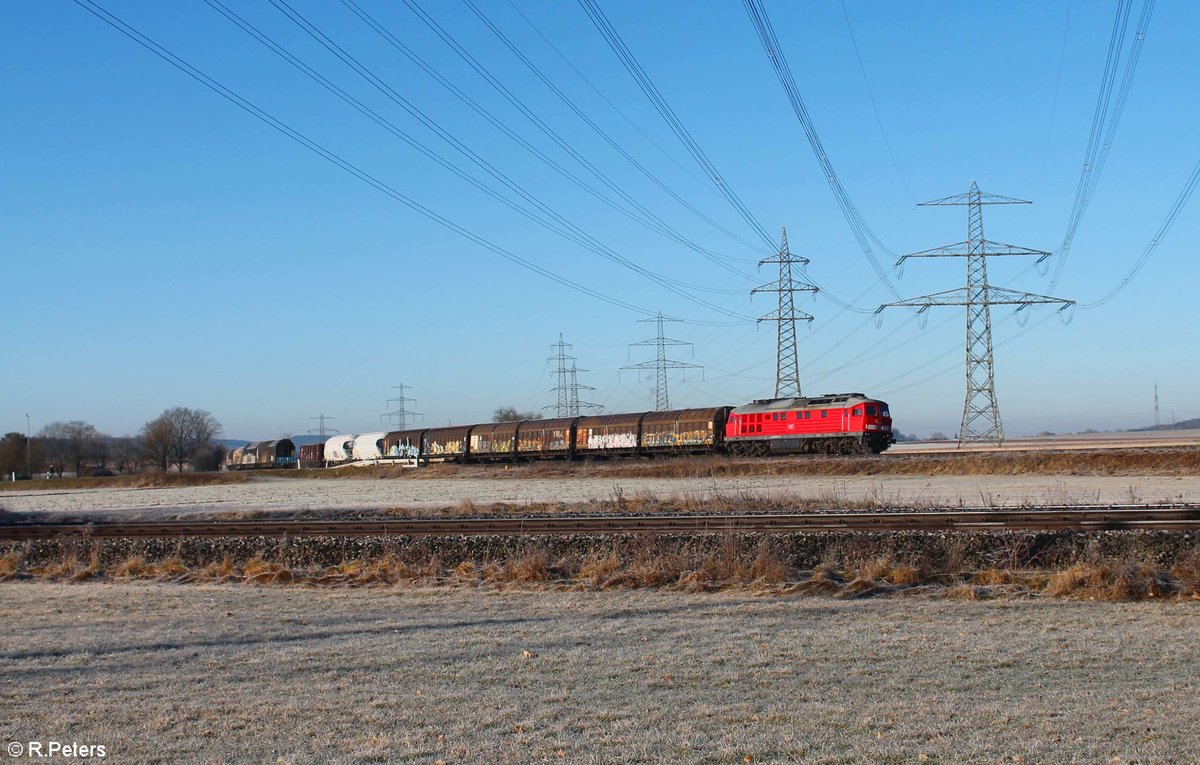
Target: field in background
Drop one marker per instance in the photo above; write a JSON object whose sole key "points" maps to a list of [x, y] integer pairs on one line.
{"points": [[248, 674], [1167, 460]]}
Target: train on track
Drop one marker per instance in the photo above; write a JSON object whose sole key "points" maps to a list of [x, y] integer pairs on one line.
{"points": [[844, 423]]}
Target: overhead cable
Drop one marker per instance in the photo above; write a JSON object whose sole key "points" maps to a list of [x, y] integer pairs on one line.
{"points": [[862, 232], [242, 103], [1181, 201], [1105, 118]]}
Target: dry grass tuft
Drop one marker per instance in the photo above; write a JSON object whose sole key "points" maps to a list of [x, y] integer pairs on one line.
{"points": [[222, 570], [260, 571], [1119, 581], [10, 565], [136, 567], [992, 577], [69, 569], [598, 570]]}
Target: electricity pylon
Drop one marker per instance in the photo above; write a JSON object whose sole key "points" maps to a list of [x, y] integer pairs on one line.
{"points": [[787, 367], [321, 430], [660, 365], [568, 386], [981, 415], [401, 412]]}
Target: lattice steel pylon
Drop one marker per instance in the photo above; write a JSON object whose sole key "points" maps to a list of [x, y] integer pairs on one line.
{"points": [[568, 386], [981, 415], [321, 430], [787, 365], [660, 365], [402, 413]]}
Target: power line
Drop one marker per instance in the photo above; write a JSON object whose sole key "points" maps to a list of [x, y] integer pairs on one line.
{"points": [[1181, 201], [858, 226], [550, 43], [281, 127], [1105, 118], [874, 106], [643, 216], [584, 239], [629, 61], [1062, 57], [605, 136], [563, 228]]}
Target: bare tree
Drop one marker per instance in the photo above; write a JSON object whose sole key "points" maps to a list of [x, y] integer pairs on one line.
{"points": [[13, 454], [69, 443], [510, 413], [126, 453], [156, 442], [177, 435]]}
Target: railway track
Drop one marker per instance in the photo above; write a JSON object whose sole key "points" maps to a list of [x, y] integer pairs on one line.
{"points": [[1158, 517]]}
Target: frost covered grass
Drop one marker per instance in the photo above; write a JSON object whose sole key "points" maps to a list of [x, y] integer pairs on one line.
{"points": [[222, 673]]}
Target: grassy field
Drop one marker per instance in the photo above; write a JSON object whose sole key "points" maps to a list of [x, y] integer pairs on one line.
{"points": [[236, 673]]}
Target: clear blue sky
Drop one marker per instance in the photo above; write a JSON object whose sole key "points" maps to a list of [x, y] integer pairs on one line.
{"points": [[163, 247]]}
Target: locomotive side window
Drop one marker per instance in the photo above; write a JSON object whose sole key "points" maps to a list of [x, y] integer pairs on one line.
{"points": [[857, 412], [824, 412], [808, 415], [871, 410]]}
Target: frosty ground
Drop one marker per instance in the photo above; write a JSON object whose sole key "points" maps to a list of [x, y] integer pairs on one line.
{"points": [[296, 494], [238, 673]]}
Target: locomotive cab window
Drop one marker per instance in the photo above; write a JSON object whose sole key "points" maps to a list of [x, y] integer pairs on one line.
{"points": [[871, 411], [857, 412]]}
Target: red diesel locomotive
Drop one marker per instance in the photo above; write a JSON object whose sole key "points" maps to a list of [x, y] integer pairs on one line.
{"points": [[843, 423]]}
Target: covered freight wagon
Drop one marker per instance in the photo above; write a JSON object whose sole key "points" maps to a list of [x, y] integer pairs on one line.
{"points": [[445, 444], [495, 440], [684, 430], [312, 455], [608, 434], [404, 444], [280, 453], [546, 438]]}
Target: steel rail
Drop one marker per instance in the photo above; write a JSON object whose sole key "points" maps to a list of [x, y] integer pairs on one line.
{"points": [[1158, 517]]}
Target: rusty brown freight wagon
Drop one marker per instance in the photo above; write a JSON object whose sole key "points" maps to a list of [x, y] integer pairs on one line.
{"points": [[445, 444], [494, 441], [608, 434], [312, 455], [404, 444], [546, 438], [684, 430]]}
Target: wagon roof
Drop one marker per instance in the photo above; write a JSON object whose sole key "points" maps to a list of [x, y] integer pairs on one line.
{"points": [[508, 427], [686, 415], [396, 435], [621, 420], [811, 402], [556, 422]]}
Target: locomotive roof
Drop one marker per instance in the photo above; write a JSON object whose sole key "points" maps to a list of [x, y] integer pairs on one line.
{"points": [[825, 401]]}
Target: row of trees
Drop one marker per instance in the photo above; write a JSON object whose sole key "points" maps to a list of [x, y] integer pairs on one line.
{"points": [[178, 437]]}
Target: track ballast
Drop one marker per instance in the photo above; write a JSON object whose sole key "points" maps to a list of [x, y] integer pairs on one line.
{"points": [[1095, 518]]}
